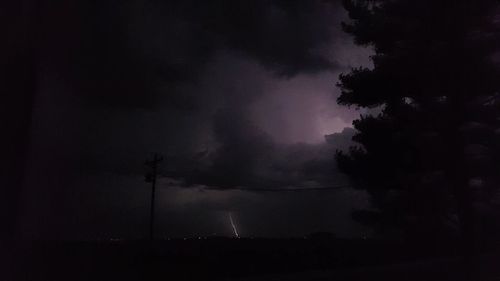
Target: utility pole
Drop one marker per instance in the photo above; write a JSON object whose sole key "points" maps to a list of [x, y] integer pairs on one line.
{"points": [[151, 177]]}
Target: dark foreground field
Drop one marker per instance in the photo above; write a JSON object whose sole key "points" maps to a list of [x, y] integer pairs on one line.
{"points": [[238, 259]]}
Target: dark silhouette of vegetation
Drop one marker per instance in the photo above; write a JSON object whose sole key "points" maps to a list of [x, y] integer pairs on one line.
{"points": [[428, 159]]}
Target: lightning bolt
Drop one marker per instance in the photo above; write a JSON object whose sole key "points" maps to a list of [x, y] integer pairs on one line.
{"points": [[233, 226]]}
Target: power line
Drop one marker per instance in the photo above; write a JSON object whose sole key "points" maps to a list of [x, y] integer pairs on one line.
{"points": [[283, 189]]}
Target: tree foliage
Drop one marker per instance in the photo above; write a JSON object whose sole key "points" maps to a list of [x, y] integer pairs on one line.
{"points": [[435, 79]]}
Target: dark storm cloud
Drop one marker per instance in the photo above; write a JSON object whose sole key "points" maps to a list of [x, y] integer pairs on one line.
{"points": [[116, 55], [225, 90], [282, 35], [246, 157], [159, 56], [137, 53]]}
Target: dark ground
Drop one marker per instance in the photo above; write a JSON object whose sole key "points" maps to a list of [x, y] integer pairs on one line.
{"points": [[318, 258]]}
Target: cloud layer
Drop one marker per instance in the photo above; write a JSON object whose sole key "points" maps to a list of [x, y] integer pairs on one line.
{"points": [[135, 53], [235, 94]]}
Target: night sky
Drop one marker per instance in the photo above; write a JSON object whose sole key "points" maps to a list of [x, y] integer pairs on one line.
{"points": [[238, 96]]}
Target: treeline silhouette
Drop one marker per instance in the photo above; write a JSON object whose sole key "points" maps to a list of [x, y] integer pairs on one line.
{"points": [[430, 158]]}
